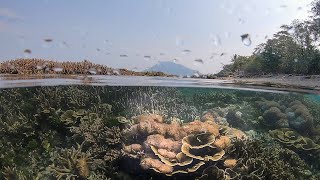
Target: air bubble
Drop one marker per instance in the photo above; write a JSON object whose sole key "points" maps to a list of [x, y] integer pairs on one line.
{"points": [[296, 60], [246, 40]]}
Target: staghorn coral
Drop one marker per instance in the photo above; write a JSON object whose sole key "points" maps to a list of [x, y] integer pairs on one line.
{"points": [[268, 159], [71, 164]]}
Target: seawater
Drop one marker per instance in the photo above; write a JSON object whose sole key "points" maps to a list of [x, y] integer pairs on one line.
{"points": [[164, 130]]}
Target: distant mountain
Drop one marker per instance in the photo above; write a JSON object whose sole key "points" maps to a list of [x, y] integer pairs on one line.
{"points": [[172, 68]]}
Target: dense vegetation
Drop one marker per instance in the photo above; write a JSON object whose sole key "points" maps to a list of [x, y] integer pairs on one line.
{"points": [[292, 50]]}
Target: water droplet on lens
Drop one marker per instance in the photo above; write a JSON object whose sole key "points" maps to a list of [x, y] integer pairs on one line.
{"points": [[27, 51], [241, 21], [198, 61], [175, 60], [222, 54], [116, 72], [186, 51], [299, 8], [48, 40], [290, 29], [266, 37], [57, 69], [92, 71], [98, 49], [196, 75], [147, 58], [123, 55], [246, 40], [215, 39], [162, 54], [296, 60], [227, 34], [179, 41], [283, 6]]}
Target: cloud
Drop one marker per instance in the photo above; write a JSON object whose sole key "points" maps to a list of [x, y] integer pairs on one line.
{"points": [[9, 14]]}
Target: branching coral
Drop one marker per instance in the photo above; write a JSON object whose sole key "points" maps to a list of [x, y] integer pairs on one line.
{"points": [[71, 164]]}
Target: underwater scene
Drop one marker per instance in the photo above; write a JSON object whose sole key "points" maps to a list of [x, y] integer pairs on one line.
{"points": [[148, 132]]}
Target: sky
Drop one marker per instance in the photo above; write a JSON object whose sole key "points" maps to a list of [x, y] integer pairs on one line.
{"points": [[200, 34]]}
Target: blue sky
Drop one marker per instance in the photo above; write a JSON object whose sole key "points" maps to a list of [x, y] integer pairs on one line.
{"points": [[164, 30]]}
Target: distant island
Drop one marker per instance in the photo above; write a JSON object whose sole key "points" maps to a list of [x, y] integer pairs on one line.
{"points": [[41, 67], [172, 68]]}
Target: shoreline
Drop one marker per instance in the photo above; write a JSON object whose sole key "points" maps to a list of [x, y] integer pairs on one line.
{"points": [[282, 81]]}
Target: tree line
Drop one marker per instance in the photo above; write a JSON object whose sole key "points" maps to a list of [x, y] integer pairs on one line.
{"points": [[294, 49]]}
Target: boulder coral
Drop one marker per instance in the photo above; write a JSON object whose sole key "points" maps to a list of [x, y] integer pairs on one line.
{"points": [[175, 147], [300, 117]]}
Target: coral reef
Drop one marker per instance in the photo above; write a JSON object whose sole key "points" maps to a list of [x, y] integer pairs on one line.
{"points": [[174, 148], [71, 164], [41, 66], [260, 160], [300, 117], [291, 138], [292, 114]]}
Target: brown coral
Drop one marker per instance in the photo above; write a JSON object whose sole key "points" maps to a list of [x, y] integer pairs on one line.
{"points": [[177, 147], [222, 142], [161, 142], [133, 148], [200, 127], [155, 164], [229, 163]]}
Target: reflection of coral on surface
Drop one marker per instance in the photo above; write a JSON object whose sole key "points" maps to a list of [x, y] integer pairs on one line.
{"points": [[175, 148]]}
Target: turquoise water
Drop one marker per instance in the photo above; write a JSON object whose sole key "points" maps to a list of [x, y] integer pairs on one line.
{"points": [[169, 129]]}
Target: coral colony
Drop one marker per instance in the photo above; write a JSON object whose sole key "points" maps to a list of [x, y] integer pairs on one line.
{"points": [[88, 132]]}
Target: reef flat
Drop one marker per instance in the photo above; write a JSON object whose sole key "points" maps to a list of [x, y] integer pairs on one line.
{"points": [[118, 132]]}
